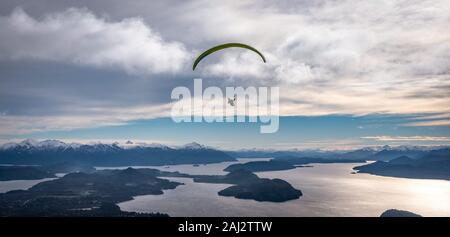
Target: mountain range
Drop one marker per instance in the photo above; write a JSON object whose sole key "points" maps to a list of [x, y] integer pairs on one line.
{"points": [[383, 153], [434, 164], [31, 152]]}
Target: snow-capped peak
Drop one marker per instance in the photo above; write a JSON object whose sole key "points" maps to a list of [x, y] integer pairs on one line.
{"points": [[46, 144], [28, 143], [156, 145], [193, 146], [51, 143], [372, 148], [131, 144], [57, 144]]}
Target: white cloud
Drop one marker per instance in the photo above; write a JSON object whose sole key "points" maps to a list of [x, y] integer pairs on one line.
{"points": [[355, 57], [327, 57], [111, 116], [444, 122], [80, 37], [408, 138]]}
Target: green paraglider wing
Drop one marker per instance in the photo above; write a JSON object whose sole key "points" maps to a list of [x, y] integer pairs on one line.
{"points": [[224, 46]]}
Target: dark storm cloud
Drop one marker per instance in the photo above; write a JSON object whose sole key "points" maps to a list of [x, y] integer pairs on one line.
{"points": [[49, 88]]}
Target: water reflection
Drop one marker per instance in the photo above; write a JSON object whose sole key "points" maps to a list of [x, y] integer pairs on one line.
{"points": [[329, 190]]}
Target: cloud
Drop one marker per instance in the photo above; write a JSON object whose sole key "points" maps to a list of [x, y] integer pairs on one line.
{"points": [[408, 138], [325, 144], [327, 57], [433, 116], [98, 117], [444, 122], [80, 37], [337, 57]]}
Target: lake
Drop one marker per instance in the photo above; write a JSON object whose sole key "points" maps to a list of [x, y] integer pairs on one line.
{"points": [[328, 190], [6, 186]]}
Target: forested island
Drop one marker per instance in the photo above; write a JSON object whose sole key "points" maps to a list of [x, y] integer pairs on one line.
{"points": [[95, 193], [85, 194], [247, 185], [285, 163]]}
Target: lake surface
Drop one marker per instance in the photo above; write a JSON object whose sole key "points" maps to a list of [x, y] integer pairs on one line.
{"points": [[6, 186], [328, 190]]}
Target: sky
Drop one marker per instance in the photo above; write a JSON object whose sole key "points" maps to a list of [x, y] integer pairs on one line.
{"points": [[350, 73]]}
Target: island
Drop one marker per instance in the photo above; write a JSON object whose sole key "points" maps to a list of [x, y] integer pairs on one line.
{"points": [[97, 192], [241, 176], [260, 166], [398, 213], [85, 194], [248, 185], [285, 163]]}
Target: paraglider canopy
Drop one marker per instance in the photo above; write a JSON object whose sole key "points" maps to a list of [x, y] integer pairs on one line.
{"points": [[224, 46]]}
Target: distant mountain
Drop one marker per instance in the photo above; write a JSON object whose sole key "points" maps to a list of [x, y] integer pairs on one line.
{"points": [[389, 153], [193, 146], [18, 172], [402, 160], [68, 167], [360, 154], [294, 160], [34, 144], [436, 155], [46, 152], [23, 173], [138, 153], [268, 153], [384, 153], [259, 166], [434, 164]]}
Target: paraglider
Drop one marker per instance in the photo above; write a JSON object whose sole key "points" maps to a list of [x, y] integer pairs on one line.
{"points": [[224, 46], [232, 102]]}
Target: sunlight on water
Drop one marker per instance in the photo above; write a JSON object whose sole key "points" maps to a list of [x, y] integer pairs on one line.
{"points": [[329, 190], [433, 193]]}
